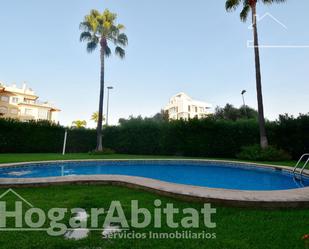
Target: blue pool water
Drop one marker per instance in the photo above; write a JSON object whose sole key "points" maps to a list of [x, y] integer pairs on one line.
{"points": [[207, 174]]}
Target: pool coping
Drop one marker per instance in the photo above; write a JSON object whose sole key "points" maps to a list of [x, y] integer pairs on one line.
{"points": [[238, 198]]}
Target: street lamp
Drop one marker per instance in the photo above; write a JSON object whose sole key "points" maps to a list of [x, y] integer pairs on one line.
{"points": [[243, 100], [243, 97], [107, 106]]}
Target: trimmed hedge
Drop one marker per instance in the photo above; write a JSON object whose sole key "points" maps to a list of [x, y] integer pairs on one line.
{"points": [[207, 137], [292, 134], [187, 138], [42, 136]]}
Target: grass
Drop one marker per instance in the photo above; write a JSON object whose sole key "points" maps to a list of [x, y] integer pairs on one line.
{"points": [[236, 228], [24, 157]]}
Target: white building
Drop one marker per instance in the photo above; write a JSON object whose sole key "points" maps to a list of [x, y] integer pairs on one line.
{"points": [[22, 103], [181, 106]]}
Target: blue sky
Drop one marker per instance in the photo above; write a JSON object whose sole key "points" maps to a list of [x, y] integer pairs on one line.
{"points": [[176, 45]]}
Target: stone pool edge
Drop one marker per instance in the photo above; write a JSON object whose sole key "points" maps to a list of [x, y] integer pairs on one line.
{"points": [[238, 198]]}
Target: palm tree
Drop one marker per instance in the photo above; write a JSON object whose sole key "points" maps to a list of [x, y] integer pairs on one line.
{"points": [[79, 124], [250, 5], [101, 29], [95, 117]]}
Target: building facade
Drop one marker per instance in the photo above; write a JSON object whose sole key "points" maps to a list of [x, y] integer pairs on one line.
{"points": [[181, 106], [22, 103]]}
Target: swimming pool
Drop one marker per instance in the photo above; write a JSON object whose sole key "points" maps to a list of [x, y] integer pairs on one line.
{"points": [[210, 174]]}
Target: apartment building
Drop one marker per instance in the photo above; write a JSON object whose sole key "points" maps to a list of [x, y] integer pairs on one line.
{"points": [[181, 106], [23, 104]]}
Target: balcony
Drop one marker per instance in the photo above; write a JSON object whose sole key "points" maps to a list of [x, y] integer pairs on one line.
{"points": [[36, 103]]}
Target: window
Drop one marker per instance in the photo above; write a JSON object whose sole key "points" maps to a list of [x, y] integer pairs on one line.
{"points": [[14, 100], [195, 109], [3, 110], [29, 101], [4, 98], [43, 113], [28, 111], [14, 111], [189, 108]]}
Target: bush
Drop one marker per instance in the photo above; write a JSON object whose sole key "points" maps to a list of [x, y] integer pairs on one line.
{"points": [[21, 137], [291, 134], [256, 153], [106, 151], [204, 138], [81, 140], [42, 137]]}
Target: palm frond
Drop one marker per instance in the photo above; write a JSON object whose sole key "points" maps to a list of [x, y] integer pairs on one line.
{"points": [[232, 4], [107, 51], [85, 36], [109, 16], [244, 13], [94, 13], [85, 26], [91, 21], [91, 46], [120, 27], [114, 31], [120, 52], [122, 39]]}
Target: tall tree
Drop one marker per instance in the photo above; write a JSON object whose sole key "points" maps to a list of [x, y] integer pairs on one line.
{"points": [[250, 5], [100, 29]]}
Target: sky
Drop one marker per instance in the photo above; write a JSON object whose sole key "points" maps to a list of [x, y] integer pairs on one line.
{"points": [[191, 46]]}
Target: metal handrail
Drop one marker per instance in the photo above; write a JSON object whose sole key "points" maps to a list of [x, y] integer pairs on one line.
{"points": [[302, 170], [304, 166]]}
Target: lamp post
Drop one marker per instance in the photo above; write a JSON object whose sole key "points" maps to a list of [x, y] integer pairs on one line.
{"points": [[107, 106], [64, 141], [243, 100]]}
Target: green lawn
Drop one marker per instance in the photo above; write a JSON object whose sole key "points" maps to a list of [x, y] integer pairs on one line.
{"points": [[10, 158], [236, 228]]}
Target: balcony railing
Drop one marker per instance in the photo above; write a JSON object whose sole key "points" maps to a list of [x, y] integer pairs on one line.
{"points": [[38, 103]]}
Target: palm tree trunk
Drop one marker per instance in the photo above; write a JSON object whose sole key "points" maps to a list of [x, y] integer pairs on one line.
{"points": [[100, 118], [263, 137]]}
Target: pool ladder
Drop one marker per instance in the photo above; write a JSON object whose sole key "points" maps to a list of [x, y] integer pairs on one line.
{"points": [[300, 171]]}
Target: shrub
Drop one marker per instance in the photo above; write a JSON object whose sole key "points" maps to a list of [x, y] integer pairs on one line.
{"points": [[106, 151], [291, 134], [19, 137], [81, 140], [42, 136], [256, 153], [208, 137]]}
